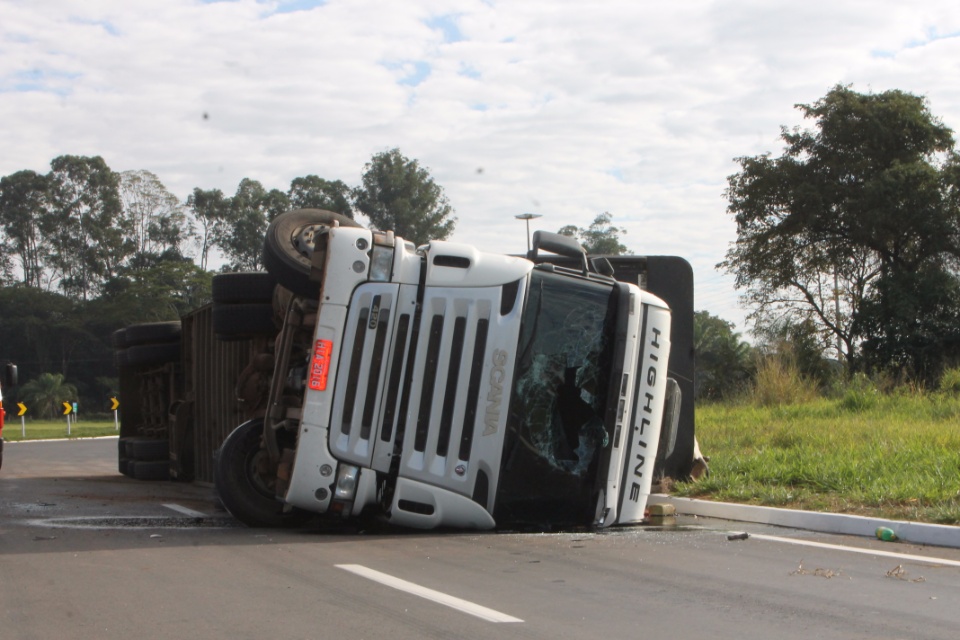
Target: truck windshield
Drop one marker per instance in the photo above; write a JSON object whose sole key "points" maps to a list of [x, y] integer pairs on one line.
{"points": [[555, 429]]}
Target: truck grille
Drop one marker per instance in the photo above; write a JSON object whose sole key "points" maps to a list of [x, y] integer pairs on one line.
{"points": [[423, 380]]}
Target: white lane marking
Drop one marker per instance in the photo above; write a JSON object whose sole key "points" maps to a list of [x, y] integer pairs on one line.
{"points": [[872, 552], [184, 510], [77, 439], [436, 596]]}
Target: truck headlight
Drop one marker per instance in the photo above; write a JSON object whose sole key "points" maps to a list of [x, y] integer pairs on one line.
{"points": [[347, 476], [381, 263]]}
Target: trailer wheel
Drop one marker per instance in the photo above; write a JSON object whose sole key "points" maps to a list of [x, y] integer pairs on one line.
{"points": [[243, 286], [150, 469], [239, 321], [289, 243], [119, 338], [151, 332], [153, 354], [123, 458], [149, 449], [244, 491]]}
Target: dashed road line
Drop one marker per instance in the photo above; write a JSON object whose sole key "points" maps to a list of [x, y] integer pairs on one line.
{"points": [[439, 597], [184, 510]]}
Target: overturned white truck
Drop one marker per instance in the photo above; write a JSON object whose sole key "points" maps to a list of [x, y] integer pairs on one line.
{"points": [[441, 386], [425, 386]]}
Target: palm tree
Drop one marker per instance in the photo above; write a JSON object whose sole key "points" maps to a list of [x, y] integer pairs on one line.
{"points": [[46, 393], [724, 360]]}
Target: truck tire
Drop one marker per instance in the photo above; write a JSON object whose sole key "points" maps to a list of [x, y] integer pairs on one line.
{"points": [[244, 286], [150, 470], [123, 457], [239, 321], [119, 338], [248, 496], [152, 354], [285, 247], [148, 450], [151, 332]]}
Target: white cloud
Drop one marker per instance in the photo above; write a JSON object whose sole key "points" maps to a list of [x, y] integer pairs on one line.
{"points": [[563, 108]]}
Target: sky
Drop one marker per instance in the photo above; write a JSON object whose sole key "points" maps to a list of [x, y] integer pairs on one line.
{"points": [[559, 108]]}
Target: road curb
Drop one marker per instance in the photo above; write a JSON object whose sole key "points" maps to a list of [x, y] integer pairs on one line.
{"points": [[914, 532]]}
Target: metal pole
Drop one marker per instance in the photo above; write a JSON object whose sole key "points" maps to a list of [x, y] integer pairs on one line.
{"points": [[527, 217]]}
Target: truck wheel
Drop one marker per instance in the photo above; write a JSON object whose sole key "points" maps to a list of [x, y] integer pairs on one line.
{"points": [[153, 354], [150, 332], [288, 243], [246, 494], [239, 321], [119, 338], [150, 470], [242, 287], [148, 450]]}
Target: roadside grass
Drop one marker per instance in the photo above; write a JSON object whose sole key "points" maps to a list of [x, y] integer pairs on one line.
{"points": [[893, 456], [13, 429]]}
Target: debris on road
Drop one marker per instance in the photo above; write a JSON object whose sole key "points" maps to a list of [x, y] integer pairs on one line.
{"points": [[899, 573], [820, 573]]}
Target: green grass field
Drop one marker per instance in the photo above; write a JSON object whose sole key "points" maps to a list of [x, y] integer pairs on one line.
{"points": [[13, 430], [895, 456]]}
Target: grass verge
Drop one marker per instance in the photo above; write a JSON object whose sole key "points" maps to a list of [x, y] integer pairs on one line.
{"points": [[13, 429], [892, 456]]}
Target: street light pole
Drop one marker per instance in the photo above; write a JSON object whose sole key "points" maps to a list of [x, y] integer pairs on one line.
{"points": [[527, 217]]}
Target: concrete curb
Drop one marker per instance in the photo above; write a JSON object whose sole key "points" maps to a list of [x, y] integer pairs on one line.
{"points": [[914, 532]]}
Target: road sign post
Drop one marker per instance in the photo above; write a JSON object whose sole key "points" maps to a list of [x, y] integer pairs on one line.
{"points": [[23, 421], [115, 404], [67, 408]]}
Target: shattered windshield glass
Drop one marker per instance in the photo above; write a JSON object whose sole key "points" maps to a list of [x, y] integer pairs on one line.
{"points": [[555, 430]]}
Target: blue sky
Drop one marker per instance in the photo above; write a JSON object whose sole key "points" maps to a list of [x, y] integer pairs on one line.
{"points": [[566, 109]]}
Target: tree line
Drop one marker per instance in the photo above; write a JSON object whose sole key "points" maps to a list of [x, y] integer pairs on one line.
{"points": [[85, 250], [81, 227]]}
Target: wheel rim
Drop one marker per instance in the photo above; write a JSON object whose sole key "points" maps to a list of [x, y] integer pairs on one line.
{"points": [[256, 479], [305, 238]]}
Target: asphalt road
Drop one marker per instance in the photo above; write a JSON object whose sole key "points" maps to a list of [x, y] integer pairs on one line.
{"points": [[88, 553]]}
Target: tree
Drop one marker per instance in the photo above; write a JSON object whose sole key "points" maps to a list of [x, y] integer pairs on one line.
{"points": [[211, 210], [86, 245], [42, 330], [913, 324], [313, 192], [23, 201], [153, 219], [867, 195], [250, 210], [46, 393], [171, 287], [724, 360], [801, 344], [398, 194], [600, 238]]}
